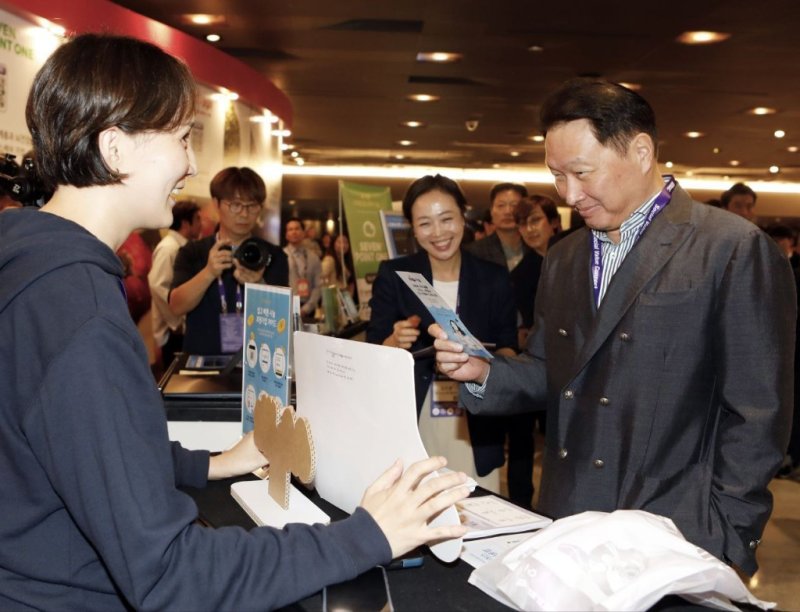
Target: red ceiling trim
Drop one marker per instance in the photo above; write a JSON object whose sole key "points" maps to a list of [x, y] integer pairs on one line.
{"points": [[209, 65]]}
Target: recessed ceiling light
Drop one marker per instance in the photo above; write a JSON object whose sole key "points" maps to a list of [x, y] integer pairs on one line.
{"points": [[689, 173], [702, 37], [537, 138], [438, 56], [398, 156], [716, 150], [423, 98], [413, 124], [285, 146], [299, 161], [514, 153], [793, 149], [669, 164], [405, 143], [284, 133], [774, 169], [295, 154], [779, 133], [496, 166], [213, 37], [762, 110], [202, 18], [734, 162], [694, 134], [631, 86], [535, 48]]}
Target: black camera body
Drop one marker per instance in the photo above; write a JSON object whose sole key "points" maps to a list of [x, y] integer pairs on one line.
{"points": [[253, 253], [20, 183]]}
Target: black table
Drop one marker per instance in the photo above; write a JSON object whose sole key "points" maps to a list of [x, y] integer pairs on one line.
{"points": [[434, 586]]}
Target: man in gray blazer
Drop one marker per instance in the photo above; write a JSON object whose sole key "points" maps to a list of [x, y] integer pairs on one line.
{"points": [[663, 339]]}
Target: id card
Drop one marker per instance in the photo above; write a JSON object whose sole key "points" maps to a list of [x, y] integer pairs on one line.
{"points": [[231, 328], [303, 288]]}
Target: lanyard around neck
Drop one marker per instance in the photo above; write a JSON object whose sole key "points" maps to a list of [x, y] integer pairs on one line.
{"points": [[661, 201]]}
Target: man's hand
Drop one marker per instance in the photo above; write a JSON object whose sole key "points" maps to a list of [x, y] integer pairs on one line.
{"points": [[220, 258], [403, 503], [246, 275], [452, 361], [405, 333]]}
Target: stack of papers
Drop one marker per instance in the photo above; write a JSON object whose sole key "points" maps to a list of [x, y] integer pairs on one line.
{"points": [[489, 516]]}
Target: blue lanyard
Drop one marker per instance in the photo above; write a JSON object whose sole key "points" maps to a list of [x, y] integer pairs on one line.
{"points": [[224, 302], [661, 201]]}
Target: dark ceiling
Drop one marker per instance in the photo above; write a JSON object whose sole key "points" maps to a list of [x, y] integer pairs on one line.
{"points": [[348, 65]]}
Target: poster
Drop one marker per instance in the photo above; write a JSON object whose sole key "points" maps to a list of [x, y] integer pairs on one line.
{"points": [[265, 364], [362, 205]]}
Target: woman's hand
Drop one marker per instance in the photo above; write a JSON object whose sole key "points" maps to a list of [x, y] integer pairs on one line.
{"points": [[405, 333], [243, 458], [404, 503]]}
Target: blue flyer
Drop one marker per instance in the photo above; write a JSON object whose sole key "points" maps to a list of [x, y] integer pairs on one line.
{"points": [[445, 316], [267, 329]]}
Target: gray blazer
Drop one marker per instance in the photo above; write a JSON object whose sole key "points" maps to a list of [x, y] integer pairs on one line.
{"points": [[675, 396]]}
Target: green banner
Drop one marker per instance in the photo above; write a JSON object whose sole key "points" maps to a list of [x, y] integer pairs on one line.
{"points": [[362, 205]]}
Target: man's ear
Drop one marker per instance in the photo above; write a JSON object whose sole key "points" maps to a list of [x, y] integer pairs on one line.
{"points": [[643, 150]]}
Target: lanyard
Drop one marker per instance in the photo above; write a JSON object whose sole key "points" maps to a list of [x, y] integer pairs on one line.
{"points": [[661, 201], [297, 254], [224, 302]]}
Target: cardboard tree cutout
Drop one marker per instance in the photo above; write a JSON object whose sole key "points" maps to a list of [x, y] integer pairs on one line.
{"points": [[285, 440]]}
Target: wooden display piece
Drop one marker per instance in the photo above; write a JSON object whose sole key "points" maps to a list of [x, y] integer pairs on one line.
{"points": [[285, 440]]}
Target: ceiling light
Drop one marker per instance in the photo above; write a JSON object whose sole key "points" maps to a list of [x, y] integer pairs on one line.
{"points": [[202, 18], [535, 49], [793, 149], [514, 154], [398, 156], [299, 161], [689, 173], [225, 94], [413, 124], [669, 164], [779, 133], [213, 37], [284, 133], [762, 110], [702, 37], [734, 162], [294, 154], [438, 56], [537, 138], [694, 134], [405, 143], [631, 86], [285, 146], [496, 166], [423, 98], [774, 169], [715, 150]]}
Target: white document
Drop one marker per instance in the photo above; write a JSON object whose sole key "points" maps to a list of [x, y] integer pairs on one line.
{"points": [[254, 498], [478, 552], [359, 400], [489, 515]]}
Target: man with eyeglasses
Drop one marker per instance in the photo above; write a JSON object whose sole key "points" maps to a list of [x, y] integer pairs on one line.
{"points": [[305, 269], [208, 284]]}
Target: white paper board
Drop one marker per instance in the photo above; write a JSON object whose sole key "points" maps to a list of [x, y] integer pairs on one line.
{"points": [[359, 399]]}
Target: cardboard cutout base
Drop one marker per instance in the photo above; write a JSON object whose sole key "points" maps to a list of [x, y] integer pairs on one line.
{"points": [[265, 511]]}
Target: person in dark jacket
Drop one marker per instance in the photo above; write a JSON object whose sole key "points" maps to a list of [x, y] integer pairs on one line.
{"points": [[92, 516], [479, 291]]}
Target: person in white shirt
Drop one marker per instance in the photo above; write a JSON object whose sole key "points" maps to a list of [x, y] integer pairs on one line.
{"points": [[167, 326], [305, 268]]}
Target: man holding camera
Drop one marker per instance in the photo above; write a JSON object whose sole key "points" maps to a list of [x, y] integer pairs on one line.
{"points": [[210, 273]]}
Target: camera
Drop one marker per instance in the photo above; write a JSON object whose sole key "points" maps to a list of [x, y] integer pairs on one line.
{"points": [[20, 183], [253, 253]]}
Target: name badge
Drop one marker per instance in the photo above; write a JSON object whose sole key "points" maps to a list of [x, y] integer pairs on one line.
{"points": [[444, 399], [303, 288], [231, 328]]}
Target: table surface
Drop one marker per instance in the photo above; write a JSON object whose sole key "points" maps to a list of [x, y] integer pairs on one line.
{"points": [[434, 586]]}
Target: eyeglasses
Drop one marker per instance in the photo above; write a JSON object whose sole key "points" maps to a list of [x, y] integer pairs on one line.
{"points": [[237, 206]]}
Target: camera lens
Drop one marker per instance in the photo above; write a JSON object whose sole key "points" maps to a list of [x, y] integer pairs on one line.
{"points": [[253, 254]]}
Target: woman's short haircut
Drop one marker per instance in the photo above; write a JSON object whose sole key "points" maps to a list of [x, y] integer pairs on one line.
{"points": [[615, 113], [526, 206], [235, 182], [429, 183], [95, 82]]}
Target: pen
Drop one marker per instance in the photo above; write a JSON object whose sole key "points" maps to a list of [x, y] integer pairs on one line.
{"points": [[405, 563]]}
